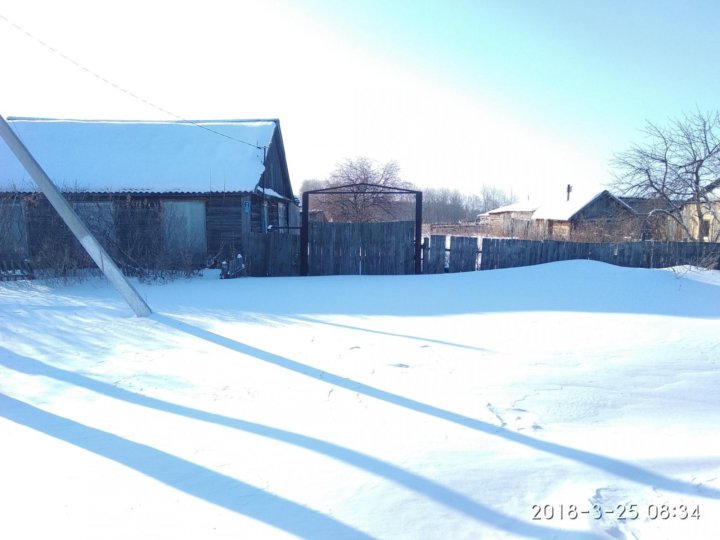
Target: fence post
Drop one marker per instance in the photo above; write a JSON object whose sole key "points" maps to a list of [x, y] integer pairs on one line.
{"points": [[418, 229], [304, 235]]}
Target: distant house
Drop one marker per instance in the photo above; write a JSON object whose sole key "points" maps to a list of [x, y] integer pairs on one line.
{"points": [[188, 189], [653, 218], [511, 220], [599, 215], [596, 216], [704, 223], [660, 218]]}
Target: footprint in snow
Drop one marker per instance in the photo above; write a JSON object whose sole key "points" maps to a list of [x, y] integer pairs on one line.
{"points": [[611, 514], [515, 418]]}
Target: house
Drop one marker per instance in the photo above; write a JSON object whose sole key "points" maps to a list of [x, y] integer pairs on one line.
{"points": [[189, 190], [680, 220], [654, 217], [703, 218], [511, 220], [596, 216]]}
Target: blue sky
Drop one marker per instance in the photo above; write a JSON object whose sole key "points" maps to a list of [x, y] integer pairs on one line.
{"points": [[524, 94], [615, 63]]}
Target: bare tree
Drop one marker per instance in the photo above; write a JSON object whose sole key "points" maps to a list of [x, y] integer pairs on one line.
{"points": [[443, 205], [679, 165], [492, 197], [311, 184], [363, 202]]}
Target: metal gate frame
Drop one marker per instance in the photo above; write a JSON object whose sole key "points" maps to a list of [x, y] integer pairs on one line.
{"points": [[348, 189]]}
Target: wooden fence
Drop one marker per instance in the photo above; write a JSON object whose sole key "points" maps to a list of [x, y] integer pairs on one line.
{"points": [[272, 254], [461, 256], [507, 253], [385, 248], [357, 249]]}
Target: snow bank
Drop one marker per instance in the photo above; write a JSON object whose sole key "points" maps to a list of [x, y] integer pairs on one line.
{"points": [[448, 406]]}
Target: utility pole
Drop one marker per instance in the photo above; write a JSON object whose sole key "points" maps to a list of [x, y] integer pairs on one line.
{"points": [[82, 233]]}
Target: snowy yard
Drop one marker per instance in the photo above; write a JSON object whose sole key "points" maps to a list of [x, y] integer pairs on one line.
{"points": [[456, 406]]}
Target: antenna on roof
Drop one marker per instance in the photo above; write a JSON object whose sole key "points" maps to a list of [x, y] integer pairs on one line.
{"points": [[569, 190]]}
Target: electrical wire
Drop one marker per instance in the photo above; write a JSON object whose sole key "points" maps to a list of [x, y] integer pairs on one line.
{"points": [[118, 87]]}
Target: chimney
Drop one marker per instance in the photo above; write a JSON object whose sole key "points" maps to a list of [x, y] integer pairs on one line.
{"points": [[569, 190]]}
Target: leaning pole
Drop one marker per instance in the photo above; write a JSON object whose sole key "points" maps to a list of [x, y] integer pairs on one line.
{"points": [[82, 233]]}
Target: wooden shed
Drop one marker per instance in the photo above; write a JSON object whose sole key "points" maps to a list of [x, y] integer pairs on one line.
{"points": [[512, 220], [596, 216], [187, 191]]}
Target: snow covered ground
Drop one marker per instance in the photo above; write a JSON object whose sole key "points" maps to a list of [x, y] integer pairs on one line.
{"points": [[413, 407]]}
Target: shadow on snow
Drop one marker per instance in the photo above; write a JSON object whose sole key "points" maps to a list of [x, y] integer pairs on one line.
{"points": [[62, 428], [597, 461], [181, 474]]}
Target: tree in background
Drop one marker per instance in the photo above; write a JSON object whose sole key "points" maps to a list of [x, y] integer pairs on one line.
{"points": [[440, 205], [362, 203], [443, 205], [679, 165]]}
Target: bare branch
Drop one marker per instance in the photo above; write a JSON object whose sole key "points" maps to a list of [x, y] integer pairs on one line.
{"points": [[678, 164]]}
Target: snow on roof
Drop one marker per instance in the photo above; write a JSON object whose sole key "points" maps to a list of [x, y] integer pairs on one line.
{"points": [[713, 191], [145, 156], [564, 210], [521, 206], [270, 192]]}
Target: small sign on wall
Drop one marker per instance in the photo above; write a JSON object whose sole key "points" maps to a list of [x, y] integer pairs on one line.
{"points": [[246, 207]]}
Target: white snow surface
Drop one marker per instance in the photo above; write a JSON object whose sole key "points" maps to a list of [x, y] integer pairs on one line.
{"points": [[397, 407], [146, 156]]}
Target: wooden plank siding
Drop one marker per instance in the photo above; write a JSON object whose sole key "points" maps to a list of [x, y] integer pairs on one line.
{"points": [[435, 262], [509, 253], [50, 241], [361, 248], [463, 253], [138, 230], [334, 249], [388, 248], [224, 224], [13, 230], [271, 254]]}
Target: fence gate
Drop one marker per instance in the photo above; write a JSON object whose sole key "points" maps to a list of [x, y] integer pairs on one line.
{"points": [[361, 248], [388, 247]]}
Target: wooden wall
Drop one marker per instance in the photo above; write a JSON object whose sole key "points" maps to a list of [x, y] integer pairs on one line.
{"points": [[224, 224], [13, 230], [137, 229]]}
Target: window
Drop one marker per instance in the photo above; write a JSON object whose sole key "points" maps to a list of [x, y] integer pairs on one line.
{"points": [[705, 229]]}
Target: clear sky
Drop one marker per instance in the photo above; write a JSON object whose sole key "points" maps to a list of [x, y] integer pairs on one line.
{"points": [[527, 95]]}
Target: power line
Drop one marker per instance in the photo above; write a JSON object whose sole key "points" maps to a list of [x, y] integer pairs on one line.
{"points": [[117, 86]]}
